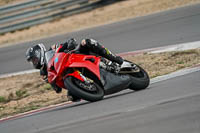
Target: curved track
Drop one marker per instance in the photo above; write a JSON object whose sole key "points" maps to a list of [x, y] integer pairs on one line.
{"points": [[167, 106]]}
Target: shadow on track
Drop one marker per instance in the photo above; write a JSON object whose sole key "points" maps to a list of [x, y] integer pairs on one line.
{"points": [[83, 102], [86, 102]]}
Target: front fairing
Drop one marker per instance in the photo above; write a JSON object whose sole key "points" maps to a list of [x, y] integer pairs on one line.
{"points": [[89, 62], [56, 67], [49, 55], [62, 61]]}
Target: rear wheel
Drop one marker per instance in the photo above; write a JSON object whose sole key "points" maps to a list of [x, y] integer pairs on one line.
{"points": [[88, 91], [140, 78]]}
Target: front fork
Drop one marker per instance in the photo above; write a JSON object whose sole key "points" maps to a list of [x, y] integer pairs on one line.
{"points": [[78, 75], [83, 81]]}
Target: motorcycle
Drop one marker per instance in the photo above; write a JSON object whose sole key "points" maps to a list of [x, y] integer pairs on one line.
{"points": [[86, 76]]}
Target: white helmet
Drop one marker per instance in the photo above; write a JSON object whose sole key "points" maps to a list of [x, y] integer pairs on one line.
{"points": [[35, 54]]}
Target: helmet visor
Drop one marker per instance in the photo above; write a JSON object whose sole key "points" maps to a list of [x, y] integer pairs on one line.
{"points": [[35, 61]]}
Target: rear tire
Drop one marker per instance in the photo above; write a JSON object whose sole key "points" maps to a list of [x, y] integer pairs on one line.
{"points": [[140, 79], [72, 85]]}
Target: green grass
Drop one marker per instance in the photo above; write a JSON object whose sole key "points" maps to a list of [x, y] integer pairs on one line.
{"points": [[21, 94], [3, 99], [180, 62], [46, 87]]}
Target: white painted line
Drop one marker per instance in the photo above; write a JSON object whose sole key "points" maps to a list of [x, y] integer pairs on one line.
{"points": [[179, 47], [175, 47], [18, 73], [175, 74]]}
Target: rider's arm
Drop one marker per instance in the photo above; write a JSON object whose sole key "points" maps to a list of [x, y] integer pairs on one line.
{"points": [[92, 46], [59, 47], [89, 43], [62, 47], [44, 74]]}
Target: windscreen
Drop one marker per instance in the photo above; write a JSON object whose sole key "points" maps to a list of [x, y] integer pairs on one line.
{"points": [[49, 55]]}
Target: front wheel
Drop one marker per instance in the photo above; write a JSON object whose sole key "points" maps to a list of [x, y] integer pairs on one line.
{"points": [[91, 92], [140, 79]]}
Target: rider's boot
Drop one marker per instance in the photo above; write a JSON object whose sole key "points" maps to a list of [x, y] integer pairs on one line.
{"points": [[113, 67], [115, 61]]}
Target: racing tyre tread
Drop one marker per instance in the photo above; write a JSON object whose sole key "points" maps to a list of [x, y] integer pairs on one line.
{"points": [[140, 83], [76, 91]]}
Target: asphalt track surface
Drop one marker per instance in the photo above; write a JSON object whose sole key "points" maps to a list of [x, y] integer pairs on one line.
{"points": [[170, 106], [161, 29]]}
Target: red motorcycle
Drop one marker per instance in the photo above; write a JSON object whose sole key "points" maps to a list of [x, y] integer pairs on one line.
{"points": [[86, 76]]}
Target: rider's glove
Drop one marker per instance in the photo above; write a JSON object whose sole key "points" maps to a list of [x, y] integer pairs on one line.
{"points": [[45, 78]]}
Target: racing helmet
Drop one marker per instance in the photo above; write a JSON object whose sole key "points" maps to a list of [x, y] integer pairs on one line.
{"points": [[35, 55]]}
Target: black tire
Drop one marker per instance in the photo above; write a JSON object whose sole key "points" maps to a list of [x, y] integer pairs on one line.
{"points": [[76, 90], [140, 79]]}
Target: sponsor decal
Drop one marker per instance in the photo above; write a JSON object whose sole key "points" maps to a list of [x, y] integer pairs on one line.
{"points": [[56, 60]]}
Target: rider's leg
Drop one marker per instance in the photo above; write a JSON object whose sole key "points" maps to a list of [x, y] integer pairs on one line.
{"points": [[95, 47], [110, 56]]}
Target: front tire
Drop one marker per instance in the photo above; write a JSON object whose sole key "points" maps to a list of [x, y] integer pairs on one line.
{"points": [[73, 85]]}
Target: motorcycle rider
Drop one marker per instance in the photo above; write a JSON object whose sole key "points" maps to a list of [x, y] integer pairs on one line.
{"points": [[36, 55]]}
